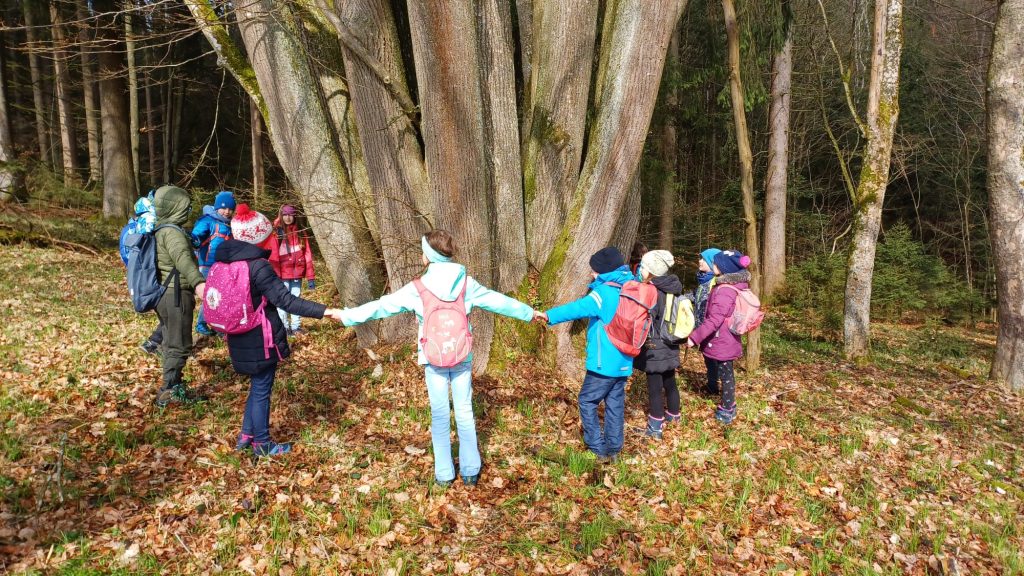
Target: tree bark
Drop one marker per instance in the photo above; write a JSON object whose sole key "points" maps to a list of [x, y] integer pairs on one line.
{"points": [[752, 354], [65, 110], [564, 32], [150, 128], [634, 53], [778, 169], [669, 146], [882, 112], [256, 125], [36, 74], [10, 181], [299, 127], [118, 182], [92, 117], [1006, 188], [133, 89], [168, 101]]}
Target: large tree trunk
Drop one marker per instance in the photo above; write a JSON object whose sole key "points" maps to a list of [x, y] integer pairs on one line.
{"points": [[778, 169], [564, 32], [753, 351], [36, 74], [299, 127], [1006, 188], [633, 54], [883, 110], [133, 89], [65, 108], [92, 117], [118, 181]]}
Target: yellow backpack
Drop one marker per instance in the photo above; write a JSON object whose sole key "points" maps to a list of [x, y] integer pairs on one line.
{"points": [[679, 319]]}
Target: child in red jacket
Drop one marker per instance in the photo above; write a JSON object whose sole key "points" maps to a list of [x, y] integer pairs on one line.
{"points": [[292, 258]]}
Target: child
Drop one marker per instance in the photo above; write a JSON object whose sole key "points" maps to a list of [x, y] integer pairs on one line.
{"points": [[719, 345], [292, 258], [607, 367], [660, 359], [248, 351], [174, 255], [212, 228], [639, 249], [142, 223], [705, 281], [446, 281]]}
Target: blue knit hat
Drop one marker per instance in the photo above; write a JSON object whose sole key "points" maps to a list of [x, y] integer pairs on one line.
{"points": [[708, 255], [731, 261], [224, 199], [607, 259]]}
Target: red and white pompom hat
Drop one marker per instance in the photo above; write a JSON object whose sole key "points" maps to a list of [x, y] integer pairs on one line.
{"points": [[250, 226]]}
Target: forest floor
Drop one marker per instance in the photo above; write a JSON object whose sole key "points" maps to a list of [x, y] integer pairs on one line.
{"points": [[910, 464]]}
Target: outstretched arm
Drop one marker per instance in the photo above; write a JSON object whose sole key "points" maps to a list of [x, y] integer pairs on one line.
{"points": [[388, 305], [496, 302], [587, 307], [270, 285]]}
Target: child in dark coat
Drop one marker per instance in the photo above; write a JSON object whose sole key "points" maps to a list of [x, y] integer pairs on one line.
{"points": [[660, 359], [718, 344], [250, 231]]}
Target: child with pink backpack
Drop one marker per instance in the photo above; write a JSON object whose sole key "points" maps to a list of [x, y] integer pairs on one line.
{"points": [[442, 299], [732, 310], [242, 297]]}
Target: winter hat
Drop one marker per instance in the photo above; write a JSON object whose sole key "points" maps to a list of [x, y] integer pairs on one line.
{"points": [[708, 255], [731, 261], [607, 259], [657, 262], [287, 210], [224, 199], [250, 226]]}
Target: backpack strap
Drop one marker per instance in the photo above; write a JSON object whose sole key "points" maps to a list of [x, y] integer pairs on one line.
{"points": [[215, 234]]}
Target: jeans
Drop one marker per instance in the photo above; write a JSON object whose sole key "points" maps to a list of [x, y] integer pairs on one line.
{"points": [[201, 320], [661, 388], [460, 380], [256, 421], [295, 287], [612, 391]]}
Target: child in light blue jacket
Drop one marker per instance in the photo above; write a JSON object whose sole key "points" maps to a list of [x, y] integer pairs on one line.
{"points": [[446, 280]]}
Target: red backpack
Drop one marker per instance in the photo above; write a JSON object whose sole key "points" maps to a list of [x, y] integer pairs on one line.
{"points": [[629, 328], [446, 340]]}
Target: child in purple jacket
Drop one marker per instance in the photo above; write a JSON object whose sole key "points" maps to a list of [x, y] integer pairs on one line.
{"points": [[718, 344]]}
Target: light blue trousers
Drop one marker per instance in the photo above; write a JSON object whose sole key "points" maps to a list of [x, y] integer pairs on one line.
{"points": [[459, 380]]}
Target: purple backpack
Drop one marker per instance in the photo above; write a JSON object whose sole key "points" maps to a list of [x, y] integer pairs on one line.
{"points": [[227, 303]]}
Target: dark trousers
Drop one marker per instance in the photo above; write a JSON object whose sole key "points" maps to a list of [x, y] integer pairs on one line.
{"points": [[612, 391], [712, 366], [256, 420], [661, 388], [722, 370], [157, 337], [176, 318]]}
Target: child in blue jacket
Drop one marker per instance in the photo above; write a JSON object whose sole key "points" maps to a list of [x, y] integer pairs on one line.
{"points": [[142, 223], [446, 280], [607, 367], [212, 228]]}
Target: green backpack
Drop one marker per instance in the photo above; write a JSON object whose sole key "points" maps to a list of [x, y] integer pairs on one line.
{"points": [[679, 319]]}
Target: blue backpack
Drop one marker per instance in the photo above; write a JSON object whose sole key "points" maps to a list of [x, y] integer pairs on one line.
{"points": [[144, 287]]}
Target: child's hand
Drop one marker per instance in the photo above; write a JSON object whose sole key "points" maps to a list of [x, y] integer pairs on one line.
{"points": [[689, 343], [334, 314], [540, 317]]}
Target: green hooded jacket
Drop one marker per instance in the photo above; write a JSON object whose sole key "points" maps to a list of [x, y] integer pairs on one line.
{"points": [[174, 247]]}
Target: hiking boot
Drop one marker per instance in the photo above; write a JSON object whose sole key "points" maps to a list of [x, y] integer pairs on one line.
{"points": [[471, 480], [177, 394], [270, 449], [670, 418], [150, 347], [444, 483], [603, 460], [653, 430], [244, 441], [725, 415]]}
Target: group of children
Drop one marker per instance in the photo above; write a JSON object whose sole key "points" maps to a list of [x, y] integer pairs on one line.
{"points": [[442, 299]]}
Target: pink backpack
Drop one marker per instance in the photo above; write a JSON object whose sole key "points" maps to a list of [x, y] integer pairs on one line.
{"points": [[227, 304], [631, 324], [446, 340], [747, 315]]}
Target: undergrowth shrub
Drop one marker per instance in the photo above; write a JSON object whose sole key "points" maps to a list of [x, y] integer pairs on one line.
{"points": [[909, 284]]}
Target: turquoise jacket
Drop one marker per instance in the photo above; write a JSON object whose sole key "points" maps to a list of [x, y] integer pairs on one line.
{"points": [[445, 280], [599, 305]]}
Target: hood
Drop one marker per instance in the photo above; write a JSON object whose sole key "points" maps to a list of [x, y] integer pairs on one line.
{"points": [[668, 284], [741, 277], [210, 211], [143, 205], [172, 205], [235, 250], [620, 275], [445, 279]]}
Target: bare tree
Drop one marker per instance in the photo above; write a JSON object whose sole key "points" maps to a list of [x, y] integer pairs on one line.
{"points": [[36, 71], [65, 108], [92, 118], [1006, 188], [256, 136], [668, 145], [133, 88], [778, 165], [882, 112], [10, 187], [119, 189], [753, 351]]}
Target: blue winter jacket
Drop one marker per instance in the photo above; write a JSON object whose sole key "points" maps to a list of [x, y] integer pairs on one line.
{"points": [[210, 230], [445, 280], [599, 305]]}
